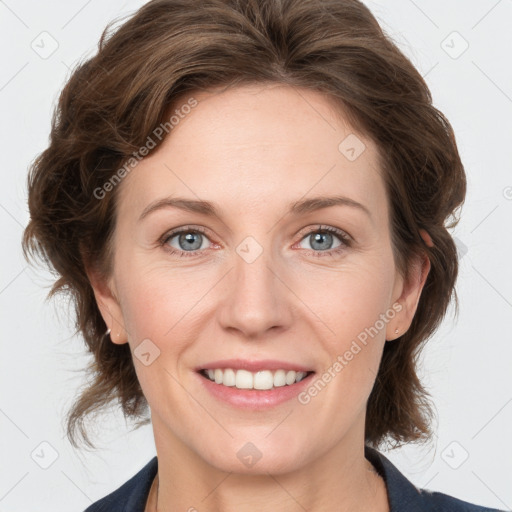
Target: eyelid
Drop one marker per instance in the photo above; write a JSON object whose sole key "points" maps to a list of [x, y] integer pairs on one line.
{"points": [[182, 229], [325, 227]]}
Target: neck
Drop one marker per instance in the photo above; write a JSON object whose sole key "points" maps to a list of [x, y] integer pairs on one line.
{"points": [[341, 479]]}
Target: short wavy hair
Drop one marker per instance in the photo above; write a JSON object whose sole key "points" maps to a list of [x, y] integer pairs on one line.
{"points": [[170, 49]]}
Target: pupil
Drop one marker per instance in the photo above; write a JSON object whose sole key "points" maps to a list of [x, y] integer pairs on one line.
{"points": [[189, 239], [320, 237]]}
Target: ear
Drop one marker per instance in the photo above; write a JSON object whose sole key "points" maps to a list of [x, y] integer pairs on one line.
{"points": [[109, 306], [407, 293]]}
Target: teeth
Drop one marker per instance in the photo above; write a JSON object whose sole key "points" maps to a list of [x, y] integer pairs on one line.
{"points": [[229, 377], [243, 379]]}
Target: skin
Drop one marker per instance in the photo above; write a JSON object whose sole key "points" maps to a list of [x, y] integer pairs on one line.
{"points": [[253, 150]]}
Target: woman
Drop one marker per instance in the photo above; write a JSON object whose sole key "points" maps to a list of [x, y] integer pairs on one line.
{"points": [[247, 201]]}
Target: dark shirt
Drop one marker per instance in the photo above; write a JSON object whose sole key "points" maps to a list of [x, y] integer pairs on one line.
{"points": [[403, 495]]}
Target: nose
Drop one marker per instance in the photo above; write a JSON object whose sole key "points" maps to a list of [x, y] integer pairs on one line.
{"points": [[255, 297]]}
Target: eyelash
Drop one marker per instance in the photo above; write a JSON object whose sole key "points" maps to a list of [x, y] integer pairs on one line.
{"points": [[344, 238]]}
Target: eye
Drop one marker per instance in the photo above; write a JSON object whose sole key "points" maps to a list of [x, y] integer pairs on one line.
{"points": [[190, 241], [185, 241], [321, 241]]}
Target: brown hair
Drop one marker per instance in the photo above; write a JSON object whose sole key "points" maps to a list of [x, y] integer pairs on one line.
{"points": [[171, 48]]}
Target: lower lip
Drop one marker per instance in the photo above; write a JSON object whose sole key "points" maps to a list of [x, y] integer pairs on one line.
{"points": [[254, 398]]}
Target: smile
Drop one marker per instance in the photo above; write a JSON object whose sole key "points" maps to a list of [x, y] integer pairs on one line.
{"points": [[260, 380]]}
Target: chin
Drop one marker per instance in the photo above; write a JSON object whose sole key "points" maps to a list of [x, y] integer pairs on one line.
{"points": [[258, 456]]}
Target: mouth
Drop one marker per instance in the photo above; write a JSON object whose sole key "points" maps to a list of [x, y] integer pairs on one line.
{"points": [[262, 380]]}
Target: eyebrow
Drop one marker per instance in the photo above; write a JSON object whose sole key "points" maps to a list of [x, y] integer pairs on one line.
{"points": [[209, 209]]}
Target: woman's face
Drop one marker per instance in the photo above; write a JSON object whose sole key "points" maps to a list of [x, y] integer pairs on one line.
{"points": [[262, 285]]}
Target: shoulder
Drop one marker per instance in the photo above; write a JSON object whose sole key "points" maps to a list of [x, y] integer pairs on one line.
{"points": [[404, 496], [132, 495]]}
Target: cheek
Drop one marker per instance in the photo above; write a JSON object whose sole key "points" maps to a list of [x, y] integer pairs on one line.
{"points": [[158, 307], [355, 308], [351, 301], [158, 296]]}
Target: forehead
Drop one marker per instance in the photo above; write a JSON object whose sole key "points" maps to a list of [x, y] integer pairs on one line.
{"points": [[258, 145]]}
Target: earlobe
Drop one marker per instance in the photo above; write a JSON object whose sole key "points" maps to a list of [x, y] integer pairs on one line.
{"points": [[109, 307], [409, 298]]}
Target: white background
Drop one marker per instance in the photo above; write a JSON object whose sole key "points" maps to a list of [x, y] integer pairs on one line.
{"points": [[466, 365]]}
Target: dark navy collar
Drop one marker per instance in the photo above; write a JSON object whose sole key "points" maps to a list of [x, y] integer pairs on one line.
{"points": [[132, 495], [402, 494]]}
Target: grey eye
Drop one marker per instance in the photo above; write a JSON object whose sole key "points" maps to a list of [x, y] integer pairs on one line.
{"points": [[321, 240], [187, 240]]}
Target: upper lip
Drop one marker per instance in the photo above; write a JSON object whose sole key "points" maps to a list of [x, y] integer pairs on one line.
{"points": [[253, 366]]}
